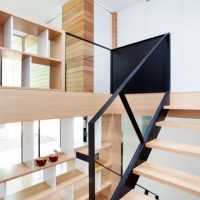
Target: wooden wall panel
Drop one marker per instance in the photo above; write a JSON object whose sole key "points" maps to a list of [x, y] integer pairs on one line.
{"points": [[78, 19], [1, 36], [114, 30]]}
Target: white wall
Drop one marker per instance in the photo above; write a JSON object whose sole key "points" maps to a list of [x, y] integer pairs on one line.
{"points": [[57, 21], [103, 36], [179, 17], [182, 19]]}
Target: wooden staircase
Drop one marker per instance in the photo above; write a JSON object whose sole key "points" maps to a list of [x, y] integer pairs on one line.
{"points": [[175, 178]]}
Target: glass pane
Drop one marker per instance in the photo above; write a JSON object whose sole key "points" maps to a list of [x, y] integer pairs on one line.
{"points": [[86, 66], [17, 42], [49, 136], [102, 60], [36, 138], [78, 132], [129, 140], [30, 44], [106, 183], [18, 184], [40, 76], [11, 72], [10, 144]]}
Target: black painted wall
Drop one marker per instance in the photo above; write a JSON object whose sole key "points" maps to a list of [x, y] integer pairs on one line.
{"points": [[154, 75]]}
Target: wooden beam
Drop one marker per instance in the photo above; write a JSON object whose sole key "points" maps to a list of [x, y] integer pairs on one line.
{"points": [[28, 105]]}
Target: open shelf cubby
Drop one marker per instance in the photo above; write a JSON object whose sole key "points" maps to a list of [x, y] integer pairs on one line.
{"points": [[41, 45]]}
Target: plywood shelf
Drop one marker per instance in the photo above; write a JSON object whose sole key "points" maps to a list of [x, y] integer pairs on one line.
{"points": [[61, 159], [82, 192], [36, 59], [23, 169], [32, 193], [27, 88], [69, 178], [42, 190], [84, 150]]}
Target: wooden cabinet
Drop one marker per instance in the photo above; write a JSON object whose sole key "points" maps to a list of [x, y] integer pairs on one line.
{"points": [[48, 53]]}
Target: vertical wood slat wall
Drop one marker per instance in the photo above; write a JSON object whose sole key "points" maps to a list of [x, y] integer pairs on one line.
{"points": [[78, 19]]}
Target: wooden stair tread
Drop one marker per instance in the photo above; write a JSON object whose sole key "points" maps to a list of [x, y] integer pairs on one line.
{"points": [[135, 195], [188, 125], [185, 149], [69, 178], [171, 177], [179, 107]]}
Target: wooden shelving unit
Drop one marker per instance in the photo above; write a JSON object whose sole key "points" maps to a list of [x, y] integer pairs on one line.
{"points": [[42, 190], [49, 52], [23, 169], [50, 48]]}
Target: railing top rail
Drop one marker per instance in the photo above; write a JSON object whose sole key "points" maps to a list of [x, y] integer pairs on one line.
{"points": [[88, 41]]}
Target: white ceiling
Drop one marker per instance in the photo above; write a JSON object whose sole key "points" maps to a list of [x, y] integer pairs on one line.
{"points": [[36, 9], [46, 10], [116, 5]]}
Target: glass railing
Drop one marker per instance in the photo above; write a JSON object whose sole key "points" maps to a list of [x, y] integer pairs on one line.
{"points": [[119, 130], [87, 66]]}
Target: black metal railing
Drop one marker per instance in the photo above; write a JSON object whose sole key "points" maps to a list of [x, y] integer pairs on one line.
{"points": [[140, 150], [130, 114]]}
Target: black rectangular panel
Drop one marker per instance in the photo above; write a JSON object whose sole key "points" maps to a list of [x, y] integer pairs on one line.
{"points": [[154, 76]]}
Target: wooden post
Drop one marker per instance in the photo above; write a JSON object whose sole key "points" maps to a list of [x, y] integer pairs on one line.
{"points": [[78, 19], [111, 133]]}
